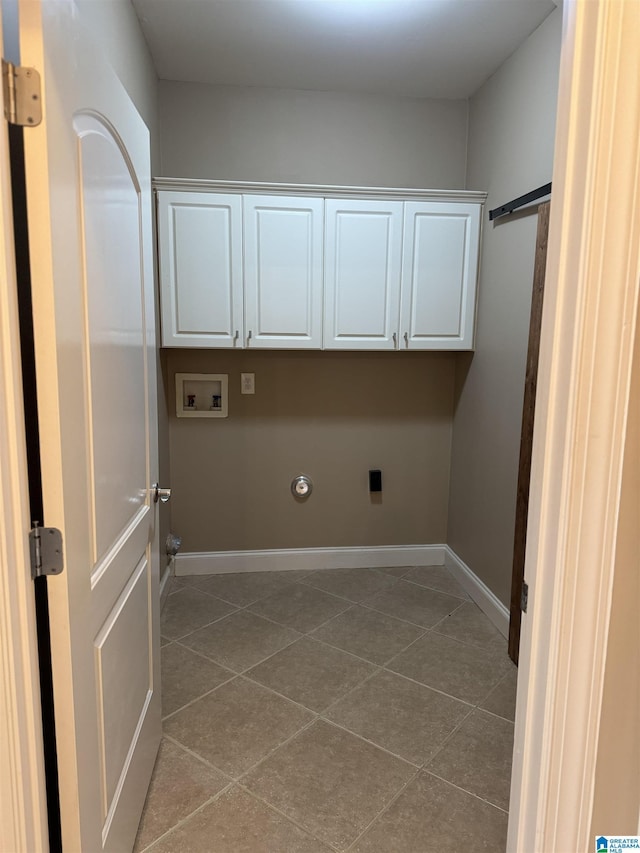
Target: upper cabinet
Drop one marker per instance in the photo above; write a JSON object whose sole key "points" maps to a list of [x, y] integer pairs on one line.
{"points": [[251, 266], [363, 258], [201, 290], [439, 275], [283, 272]]}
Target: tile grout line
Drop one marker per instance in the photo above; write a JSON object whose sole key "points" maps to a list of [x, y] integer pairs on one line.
{"points": [[295, 701], [447, 739], [203, 656], [369, 606], [443, 746], [493, 713], [419, 771], [368, 660], [237, 779], [186, 819], [198, 698], [484, 649], [287, 817], [464, 790], [370, 742], [200, 627], [328, 708], [309, 635], [385, 808], [342, 651], [381, 667], [246, 669], [352, 603], [251, 681], [276, 748], [199, 757], [430, 687], [321, 716]]}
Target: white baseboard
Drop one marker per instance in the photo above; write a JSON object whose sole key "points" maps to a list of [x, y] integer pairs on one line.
{"points": [[165, 581], [479, 591], [222, 562], [313, 559]]}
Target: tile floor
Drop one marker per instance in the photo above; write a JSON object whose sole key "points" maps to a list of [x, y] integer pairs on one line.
{"points": [[359, 710]]}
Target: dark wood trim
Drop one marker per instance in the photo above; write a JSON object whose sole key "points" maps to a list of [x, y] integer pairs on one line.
{"points": [[526, 436]]}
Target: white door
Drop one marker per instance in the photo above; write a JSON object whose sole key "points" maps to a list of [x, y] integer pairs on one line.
{"points": [[439, 275], [363, 247], [283, 272], [200, 242], [89, 204]]}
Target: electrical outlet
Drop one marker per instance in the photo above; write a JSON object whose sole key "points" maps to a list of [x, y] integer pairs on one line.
{"points": [[375, 480], [248, 383]]}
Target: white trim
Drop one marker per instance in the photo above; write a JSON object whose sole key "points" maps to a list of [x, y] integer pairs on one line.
{"points": [[490, 605], [223, 562], [586, 353], [165, 581], [23, 814], [197, 185]]}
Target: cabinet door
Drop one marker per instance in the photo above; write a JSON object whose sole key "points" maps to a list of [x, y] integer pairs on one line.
{"points": [[439, 275], [362, 273], [200, 242], [283, 272]]}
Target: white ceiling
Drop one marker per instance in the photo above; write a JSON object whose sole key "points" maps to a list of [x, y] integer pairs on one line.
{"points": [[418, 48]]}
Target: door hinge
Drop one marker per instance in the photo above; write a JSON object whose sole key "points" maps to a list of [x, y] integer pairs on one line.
{"points": [[45, 545], [22, 95], [524, 597]]}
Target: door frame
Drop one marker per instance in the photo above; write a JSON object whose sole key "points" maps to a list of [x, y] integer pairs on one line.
{"points": [[23, 800], [586, 356]]}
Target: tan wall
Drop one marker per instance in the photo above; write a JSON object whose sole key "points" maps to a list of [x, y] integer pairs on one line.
{"points": [[331, 416], [617, 784], [511, 136], [287, 135]]}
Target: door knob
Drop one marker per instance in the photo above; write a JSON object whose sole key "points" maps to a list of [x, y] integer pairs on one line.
{"points": [[160, 494]]}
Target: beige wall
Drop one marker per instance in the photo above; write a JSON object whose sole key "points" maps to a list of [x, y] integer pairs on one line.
{"points": [[616, 807], [331, 416], [233, 133], [511, 136]]}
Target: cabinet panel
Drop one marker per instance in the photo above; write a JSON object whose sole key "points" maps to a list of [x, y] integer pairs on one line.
{"points": [[200, 239], [272, 271], [440, 267], [362, 273], [283, 272]]}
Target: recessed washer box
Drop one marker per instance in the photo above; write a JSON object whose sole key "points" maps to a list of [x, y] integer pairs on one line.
{"points": [[202, 395]]}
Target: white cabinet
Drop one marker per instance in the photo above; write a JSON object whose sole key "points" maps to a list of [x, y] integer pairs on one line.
{"points": [[363, 254], [200, 244], [439, 274], [283, 272], [250, 266], [400, 275]]}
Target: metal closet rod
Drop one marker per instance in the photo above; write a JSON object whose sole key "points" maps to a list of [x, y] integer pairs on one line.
{"points": [[520, 202]]}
